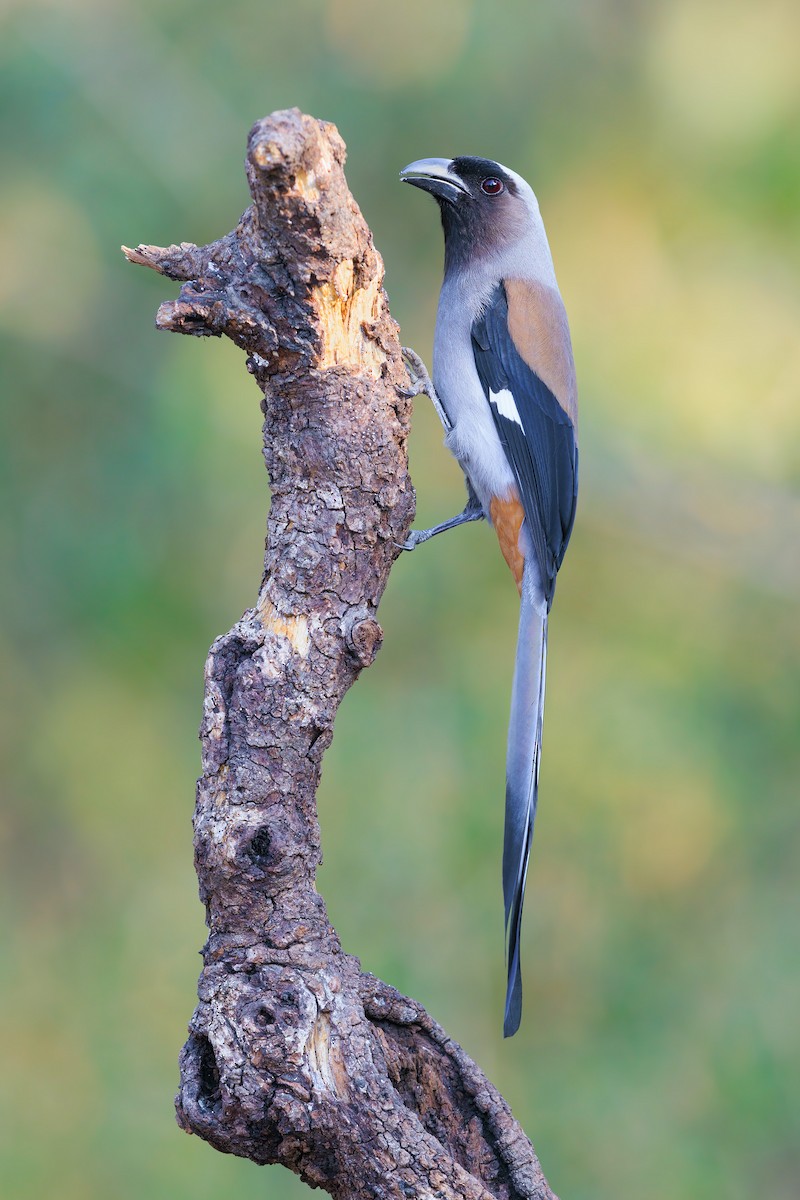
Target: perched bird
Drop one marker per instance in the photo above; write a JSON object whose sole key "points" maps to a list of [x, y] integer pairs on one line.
{"points": [[504, 388]]}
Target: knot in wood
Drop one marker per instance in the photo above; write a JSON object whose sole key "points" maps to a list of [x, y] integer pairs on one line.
{"points": [[363, 636]]}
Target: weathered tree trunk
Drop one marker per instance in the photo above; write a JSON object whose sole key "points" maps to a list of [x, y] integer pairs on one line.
{"points": [[294, 1056]]}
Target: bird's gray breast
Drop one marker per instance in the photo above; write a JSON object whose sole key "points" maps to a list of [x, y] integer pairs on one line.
{"points": [[473, 440]]}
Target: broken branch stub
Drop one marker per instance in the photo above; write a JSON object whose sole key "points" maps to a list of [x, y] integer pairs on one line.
{"points": [[294, 1056]]}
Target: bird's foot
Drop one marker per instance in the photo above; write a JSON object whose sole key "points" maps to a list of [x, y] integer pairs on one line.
{"points": [[472, 512], [422, 384], [417, 372], [415, 538]]}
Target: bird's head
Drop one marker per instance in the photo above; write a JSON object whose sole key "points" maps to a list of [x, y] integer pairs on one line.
{"points": [[487, 210]]}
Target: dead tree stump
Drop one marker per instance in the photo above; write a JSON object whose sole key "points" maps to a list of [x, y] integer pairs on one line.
{"points": [[295, 1056]]}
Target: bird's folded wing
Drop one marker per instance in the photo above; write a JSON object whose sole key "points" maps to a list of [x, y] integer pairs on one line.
{"points": [[536, 429]]}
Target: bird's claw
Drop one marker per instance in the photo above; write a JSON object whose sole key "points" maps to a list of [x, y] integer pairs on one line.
{"points": [[411, 542], [414, 365], [422, 384], [418, 374]]}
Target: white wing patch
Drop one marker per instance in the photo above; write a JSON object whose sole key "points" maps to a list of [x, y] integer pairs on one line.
{"points": [[504, 403]]}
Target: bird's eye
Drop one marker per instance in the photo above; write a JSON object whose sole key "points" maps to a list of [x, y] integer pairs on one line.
{"points": [[491, 186]]}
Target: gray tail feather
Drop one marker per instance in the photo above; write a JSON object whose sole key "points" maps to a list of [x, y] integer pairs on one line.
{"points": [[522, 779]]}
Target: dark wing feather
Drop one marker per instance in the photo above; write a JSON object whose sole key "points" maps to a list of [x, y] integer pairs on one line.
{"points": [[543, 451]]}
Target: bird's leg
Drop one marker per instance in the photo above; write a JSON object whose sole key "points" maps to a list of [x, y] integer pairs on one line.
{"points": [[417, 536], [422, 385], [472, 512]]}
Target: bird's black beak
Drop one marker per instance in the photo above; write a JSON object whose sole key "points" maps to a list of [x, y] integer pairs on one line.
{"points": [[435, 175]]}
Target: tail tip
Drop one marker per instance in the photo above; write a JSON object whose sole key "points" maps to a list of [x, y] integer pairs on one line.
{"points": [[513, 1013]]}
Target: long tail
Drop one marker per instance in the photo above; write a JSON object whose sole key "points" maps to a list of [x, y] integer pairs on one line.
{"points": [[522, 777]]}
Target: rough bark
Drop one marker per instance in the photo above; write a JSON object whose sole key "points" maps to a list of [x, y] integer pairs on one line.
{"points": [[295, 1056]]}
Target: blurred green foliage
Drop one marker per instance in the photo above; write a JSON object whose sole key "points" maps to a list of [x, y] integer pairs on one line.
{"points": [[659, 1054]]}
